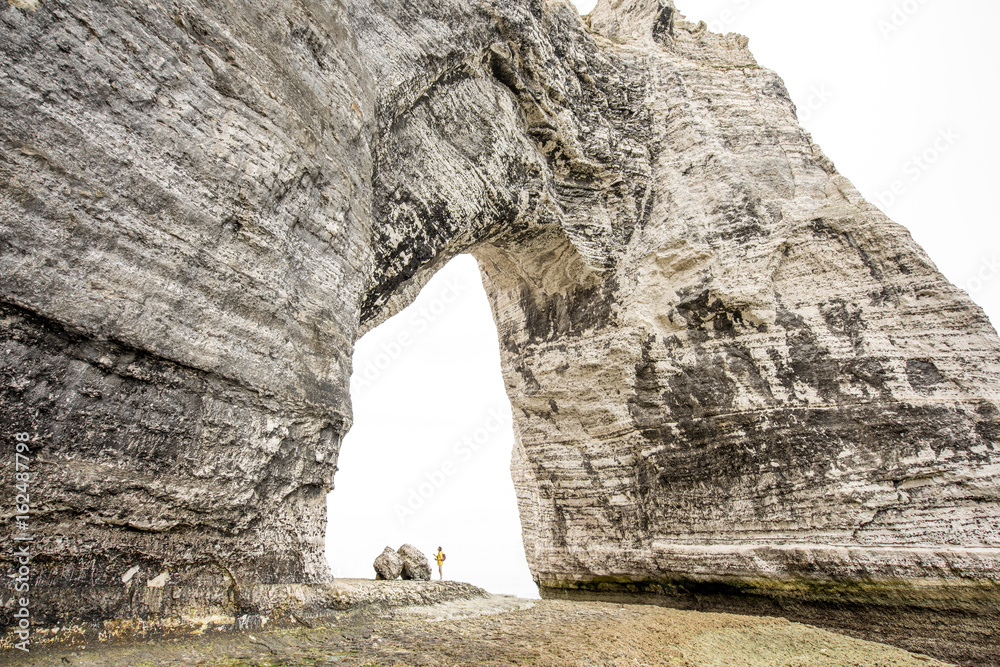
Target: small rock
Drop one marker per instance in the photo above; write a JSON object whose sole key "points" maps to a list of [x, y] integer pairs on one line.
{"points": [[159, 581], [388, 565], [415, 563]]}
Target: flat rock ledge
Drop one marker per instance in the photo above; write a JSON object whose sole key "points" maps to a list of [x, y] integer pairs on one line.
{"points": [[251, 608]]}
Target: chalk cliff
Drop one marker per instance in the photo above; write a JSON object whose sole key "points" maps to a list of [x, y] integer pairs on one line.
{"points": [[728, 371]]}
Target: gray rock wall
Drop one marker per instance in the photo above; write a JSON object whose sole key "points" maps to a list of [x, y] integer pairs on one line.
{"points": [[185, 232], [726, 367]]}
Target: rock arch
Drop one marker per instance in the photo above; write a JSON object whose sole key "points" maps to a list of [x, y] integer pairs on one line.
{"points": [[727, 368]]}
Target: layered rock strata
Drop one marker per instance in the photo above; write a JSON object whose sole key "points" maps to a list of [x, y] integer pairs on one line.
{"points": [[721, 358], [727, 368], [185, 231]]}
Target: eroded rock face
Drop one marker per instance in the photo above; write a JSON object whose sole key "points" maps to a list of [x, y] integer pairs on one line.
{"points": [[726, 367], [388, 565], [415, 563], [185, 232], [728, 371], [721, 358]]}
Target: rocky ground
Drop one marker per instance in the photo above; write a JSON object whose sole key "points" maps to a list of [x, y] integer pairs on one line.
{"points": [[501, 630]]}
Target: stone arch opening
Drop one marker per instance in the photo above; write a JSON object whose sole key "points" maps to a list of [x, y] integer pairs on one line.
{"points": [[432, 417]]}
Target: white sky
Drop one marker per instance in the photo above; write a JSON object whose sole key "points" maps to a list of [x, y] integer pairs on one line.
{"points": [[872, 98], [424, 382]]}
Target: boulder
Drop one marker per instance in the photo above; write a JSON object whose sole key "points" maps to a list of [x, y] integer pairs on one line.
{"points": [[388, 565], [415, 563]]}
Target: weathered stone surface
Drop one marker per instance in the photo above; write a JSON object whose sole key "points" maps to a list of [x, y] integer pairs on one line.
{"points": [[388, 565], [727, 368], [184, 226], [415, 563]]}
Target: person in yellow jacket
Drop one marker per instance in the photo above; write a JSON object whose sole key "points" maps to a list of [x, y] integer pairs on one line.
{"points": [[439, 557]]}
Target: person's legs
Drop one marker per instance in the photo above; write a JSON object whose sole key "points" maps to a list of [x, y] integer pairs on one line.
{"points": [[440, 573]]}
